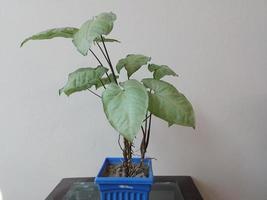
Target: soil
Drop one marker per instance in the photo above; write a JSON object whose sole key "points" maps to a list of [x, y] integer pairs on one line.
{"points": [[120, 171]]}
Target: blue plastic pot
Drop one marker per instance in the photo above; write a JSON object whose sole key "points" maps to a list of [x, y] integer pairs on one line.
{"points": [[124, 188]]}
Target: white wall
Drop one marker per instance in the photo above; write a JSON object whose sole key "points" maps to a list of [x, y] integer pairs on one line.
{"points": [[217, 47]]}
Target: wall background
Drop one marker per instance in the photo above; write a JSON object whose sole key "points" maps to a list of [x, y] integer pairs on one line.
{"points": [[217, 47]]}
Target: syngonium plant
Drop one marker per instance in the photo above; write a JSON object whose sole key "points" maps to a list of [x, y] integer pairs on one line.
{"points": [[130, 104]]}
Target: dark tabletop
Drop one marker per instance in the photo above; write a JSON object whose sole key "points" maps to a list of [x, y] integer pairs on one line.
{"points": [[185, 183]]}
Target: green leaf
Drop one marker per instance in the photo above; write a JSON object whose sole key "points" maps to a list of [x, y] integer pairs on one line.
{"points": [[82, 79], [66, 32], [98, 39], [168, 104], [160, 71], [126, 107], [92, 29], [132, 63], [105, 81]]}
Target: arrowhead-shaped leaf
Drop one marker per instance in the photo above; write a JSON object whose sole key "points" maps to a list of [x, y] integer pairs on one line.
{"points": [[82, 79], [105, 81], [126, 107], [66, 32], [168, 104], [160, 71], [132, 63], [92, 29], [98, 39]]}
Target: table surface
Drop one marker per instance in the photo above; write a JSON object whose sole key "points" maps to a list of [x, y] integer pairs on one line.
{"points": [[185, 183]]}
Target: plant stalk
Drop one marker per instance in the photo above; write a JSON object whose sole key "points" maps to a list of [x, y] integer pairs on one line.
{"points": [[100, 63], [102, 83], [127, 154], [146, 136], [108, 59], [148, 131], [142, 146], [127, 150], [94, 93]]}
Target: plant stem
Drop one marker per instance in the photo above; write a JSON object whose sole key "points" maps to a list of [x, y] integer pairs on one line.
{"points": [[146, 137], [109, 61], [148, 131], [127, 154], [103, 53], [146, 122], [99, 63], [143, 152], [96, 57], [102, 83], [142, 145], [145, 118], [94, 93], [127, 151], [119, 142]]}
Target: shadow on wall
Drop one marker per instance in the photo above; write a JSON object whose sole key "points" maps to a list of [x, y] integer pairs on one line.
{"points": [[207, 191]]}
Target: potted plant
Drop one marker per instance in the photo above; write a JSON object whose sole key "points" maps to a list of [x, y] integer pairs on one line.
{"points": [[128, 104]]}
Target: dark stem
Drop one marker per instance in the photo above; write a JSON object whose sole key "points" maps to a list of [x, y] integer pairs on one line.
{"points": [[102, 51], [110, 64], [102, 83], [143, 152], [143, 130], [143, 145], [145, 118], [96, 57], [94, 93], [148, 131], [146, 137], [99, 63], [119, 142], [146, 122], [127, 150], [127, 154]]}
